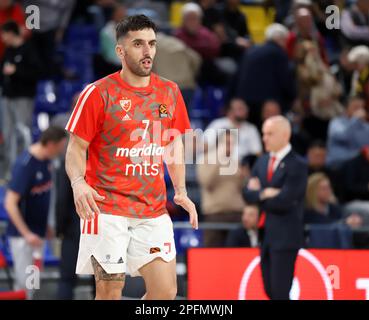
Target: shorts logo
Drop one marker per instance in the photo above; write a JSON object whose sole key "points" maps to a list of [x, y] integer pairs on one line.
{"points": [[125, 104], [120, 260], [154, 250], [163, 112]]}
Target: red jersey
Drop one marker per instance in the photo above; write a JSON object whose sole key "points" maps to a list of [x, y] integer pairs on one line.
{"points": [[127, 128]]}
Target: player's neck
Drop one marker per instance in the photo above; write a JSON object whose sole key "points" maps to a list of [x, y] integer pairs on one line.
{"points": [[133, 80]]}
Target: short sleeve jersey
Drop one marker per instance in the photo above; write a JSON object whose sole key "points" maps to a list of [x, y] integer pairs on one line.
{"points": [[128, 128]]}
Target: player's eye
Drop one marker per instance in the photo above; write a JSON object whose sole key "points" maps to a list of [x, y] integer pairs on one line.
{"points": [[152, 44], [137, 44]]}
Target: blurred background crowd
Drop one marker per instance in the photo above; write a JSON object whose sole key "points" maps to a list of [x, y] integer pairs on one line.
{"points": [[237, 62]]}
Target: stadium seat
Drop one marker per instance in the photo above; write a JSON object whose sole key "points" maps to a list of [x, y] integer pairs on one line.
{"points": [[337, 236], [82, 38], [187, 238]]}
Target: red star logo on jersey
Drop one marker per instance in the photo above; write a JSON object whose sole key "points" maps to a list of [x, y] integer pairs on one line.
{"points": [[125, 104]]}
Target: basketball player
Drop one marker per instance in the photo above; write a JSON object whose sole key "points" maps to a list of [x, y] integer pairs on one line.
{"points": [[120, 130]]}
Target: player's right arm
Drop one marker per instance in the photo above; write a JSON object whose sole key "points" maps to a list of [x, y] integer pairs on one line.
{"points": [[85, 196], [84, 123]]}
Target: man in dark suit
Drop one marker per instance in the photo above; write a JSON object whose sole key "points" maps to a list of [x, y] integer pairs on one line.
{"points": [[278, 182], [265, 73]]}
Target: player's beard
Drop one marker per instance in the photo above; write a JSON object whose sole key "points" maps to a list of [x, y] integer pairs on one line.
{"points": [[136, 67]]}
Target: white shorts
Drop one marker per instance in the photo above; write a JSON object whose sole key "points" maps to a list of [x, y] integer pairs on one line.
{"points": [[124, 245]]}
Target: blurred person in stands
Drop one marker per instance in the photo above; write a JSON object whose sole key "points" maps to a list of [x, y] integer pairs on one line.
{"points": [[348, 133], [12, 10], [356, 184], [319, 92], [321, 204], [277, 185], [249, 141], [217, 189], [234, 18], [211, 13], [176, 61], [270, 108], [247, 234], [265, 73], [27, 203], [316, 157], [54, 19], [359, 57], [20, 73], [202, 40], [107, 41], [355, 23], [304, 29]]}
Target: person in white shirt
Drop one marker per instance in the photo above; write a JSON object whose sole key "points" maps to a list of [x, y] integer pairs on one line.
{"points": [[249, 142]]}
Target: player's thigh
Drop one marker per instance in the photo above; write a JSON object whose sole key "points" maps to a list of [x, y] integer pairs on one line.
{"points": [[107, 280], [160, 275]]}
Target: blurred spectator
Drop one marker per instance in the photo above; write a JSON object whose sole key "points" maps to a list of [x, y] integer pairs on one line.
{"points": [[195, 35], [343, 71], [316, 156], [282, 8], [27, 202], [211, 13], [108, 41], [356, 172], [54, 19], [269, 109], [289, 21], [302, 30], [359, 57], [355, 23], [217, 189], [177, 62], [319, 92], [247, 234], [321, 204], [348, 133], [20, 71], [249, 141], [265, 73], [203, 41], [11, 10], [234, 18]]}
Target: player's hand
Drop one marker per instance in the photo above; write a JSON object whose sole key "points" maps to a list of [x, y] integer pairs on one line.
{"points": [[270, 193], [33, 239], [182, 200], [254, 184], [85, 198]]}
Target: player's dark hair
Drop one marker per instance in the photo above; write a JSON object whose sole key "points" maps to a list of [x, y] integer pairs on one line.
{"points": [[52, 134], [11, 26], [134, 23]]}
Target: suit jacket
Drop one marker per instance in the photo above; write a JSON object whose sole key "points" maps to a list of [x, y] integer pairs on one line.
{"points": [[284, 227]]}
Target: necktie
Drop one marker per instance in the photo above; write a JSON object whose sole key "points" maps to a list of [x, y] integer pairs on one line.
{"points": [[269, 178], [270, 168]]}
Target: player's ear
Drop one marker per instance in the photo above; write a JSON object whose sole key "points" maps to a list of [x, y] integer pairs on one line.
{"points": [[119, 51]]}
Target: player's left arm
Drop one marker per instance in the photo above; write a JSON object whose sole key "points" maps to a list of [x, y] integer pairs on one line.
{"points": [[174, 159]]}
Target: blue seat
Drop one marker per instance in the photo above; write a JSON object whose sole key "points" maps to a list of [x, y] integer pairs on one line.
{"points": [[335, 235], [45, 100], [187, 238], [66, 92], [83, 38]]}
